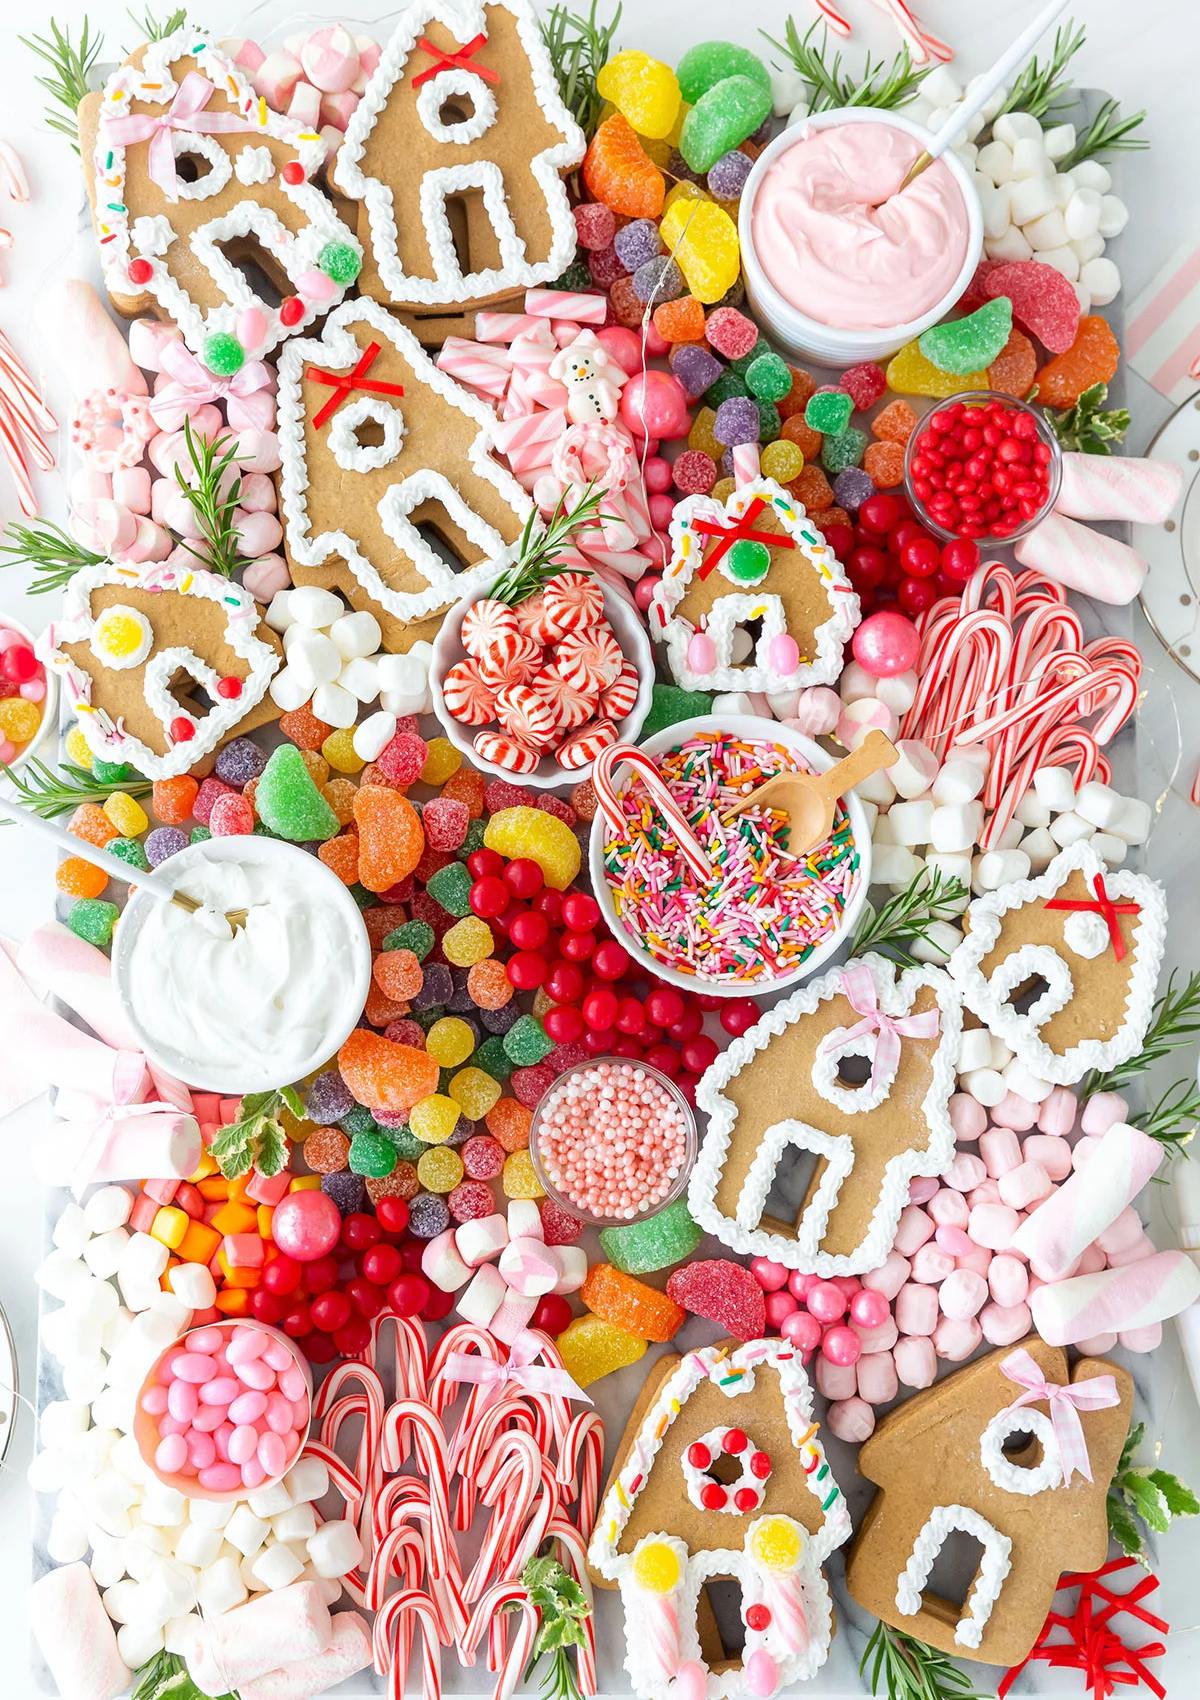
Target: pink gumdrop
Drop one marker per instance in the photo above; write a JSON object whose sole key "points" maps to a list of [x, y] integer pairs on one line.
{"points": [[826, 1301], [1004, 1325], [221, 1478], [1056, 1114], [272, 1454], [783, 654], [886, 644], [305, 1225], [701, 653], [968, 1118], [876, 1373], [870, 1309], [182, 1401], [851, 1420], [777, 1307], [656, 475], [771, 1276], [962, 1295], [624, 346], [654, 404], [171, 1454], [916, 1309], [243, 1443], [955, 1339], [292, 1384], [915, 1361], [154, 1400], [841, 1346], [802, 1330], [1102, 1111]]}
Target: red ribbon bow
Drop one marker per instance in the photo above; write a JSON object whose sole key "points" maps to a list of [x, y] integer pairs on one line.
{"points": [[1103, 905], [344, 384], [1092, 1646], [742, 528], [445, 61]]}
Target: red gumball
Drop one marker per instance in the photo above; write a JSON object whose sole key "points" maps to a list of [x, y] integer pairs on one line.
{"points": [[565, 982], [408, 1294], [600, 1008], [580, 911], [739, 1015], [489, 897], [610, 961], [523, 878], [392, 1214], [552, 1315]]}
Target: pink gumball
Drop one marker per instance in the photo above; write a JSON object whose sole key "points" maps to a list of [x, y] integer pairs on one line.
{"points": [[885, 644], [661, 508], [841, 1346], [771, 1276], [623, 345], [801, 1330], [305, 1225], [656, 343], [656, 475], [643, 590], [701, 653], [826, 1302], [778, 1307], [654, 404], [799, 1284], [869, 1309]]}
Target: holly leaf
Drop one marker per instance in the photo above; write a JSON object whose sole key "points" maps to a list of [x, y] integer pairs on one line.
{"points": [[255, 1104], [1181, 1501], [553, 1634], [1148, 1500], [571, 1596], [539, 1573], [292, 1101], [1123, 1528]]}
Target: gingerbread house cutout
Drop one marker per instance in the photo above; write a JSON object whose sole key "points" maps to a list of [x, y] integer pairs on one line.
{"points": [[456, 155], [162, 664], [205, 204], [1063, 968], [385, 458], [855, 1070], [752, 598], [963, 1458], [721, 1479]]}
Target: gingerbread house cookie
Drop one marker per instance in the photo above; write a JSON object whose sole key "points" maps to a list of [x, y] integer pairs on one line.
{"points": [[721, 1478], [162, 664], [1064, 967], [383, 454], [456, 154], [205, 206], [856, 1070], [998, 1452], [752, 599]]}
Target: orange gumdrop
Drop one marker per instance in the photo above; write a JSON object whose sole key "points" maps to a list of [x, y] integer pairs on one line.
{"points": [[467, 786], [172, 799], [796, 400], [795, 430], [1015, 367], [341, 855], [390, 836], [379, 1009], [812, 488], [618, 171], [894, 423], [385, 1075], [1091, 359], [340, 793], [398, 974], [303, 728], [828, 517], [83, 879], [626, 1302], [680, 321], [90, 823], [885, 464], [383, 919]]}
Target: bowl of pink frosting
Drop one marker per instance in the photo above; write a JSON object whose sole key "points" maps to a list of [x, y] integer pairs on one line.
{"points": [[840, 264]]}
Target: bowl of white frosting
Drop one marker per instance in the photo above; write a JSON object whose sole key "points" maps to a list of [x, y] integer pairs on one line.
{"points": [[246, 1009], [839, 265]]}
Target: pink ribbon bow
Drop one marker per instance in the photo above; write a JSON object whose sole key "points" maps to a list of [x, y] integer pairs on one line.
{"points": [[521, 1368], [858, 984], [1065, 1402], [248, 395], [186, 112]]}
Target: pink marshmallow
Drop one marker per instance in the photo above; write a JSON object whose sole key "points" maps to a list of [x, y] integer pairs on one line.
{"points": [[876, 1377], [880, 1339], [1027, 1184], [916, 1362], [977, 1258], [276, 78], [512, 1318], [131, 487], [1123, 1231], [948, 1208], [921, 1189], [835, 1381], [1000, 1149], [891, 1275], [1097, 1346], [851, 1420], [962, 1295], [257, 494], [441, 1263], [1014, 1112], [1003, 1325], [967, 1117], [1083, 1151], [262, 578], [258, 533], [369, 53], [986, 1193], [1051, 1151], [1008, 1279], [305, 105], [257, 451], [330, 59], [931, 1264], [966, 1171], [1102, 1110], [1056, 1114], [1147, 1339], [955, 1338], [1091, 1259], [914, 1229], [954, 1240], [338, 109], [481, 1239], [993, 1225], [916, 1309], [147, 339], [1142, 1248]]}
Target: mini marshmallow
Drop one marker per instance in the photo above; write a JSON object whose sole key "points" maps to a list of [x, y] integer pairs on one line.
{"points": [[894, 865], [193, 1285], [914, 1228], [956, 827], [1027, 1184], [1031, 811], [1102, 280], [442, 1264], [992, 1226], [876, 788], [572, 1265], [309, 605], [1099, 804], [985, 1085], [1025, 1083], [1070, 828], [995, 162], [277, 1566], [1029, 161], [483, 1238], [1030, 199], [1110, 849], [1000, 1150], [528, 1267], [957, 782], [835, 1381], [246, 1532], [1013, 127], [335, 1549], [996, 206], [910, 821], [308, 1478], [962, 1295], [975, 1050], [71, 1231], [876, 1376], [1040, 848], [1050, 1152], [513, 1317], [915, 769], [107, 1209], [891, 1275], [297, 1523], [1048, 233], [198, 1547], [897, 692], [524, 1220], [915, 1361], [1114, 216], [851, 1420], [1004, 1325], [1054, 787], [953, 865], [916, 1309], [373, 735], [273, 1500], [1102, 1111], [138, 1643], [481, 1300], [996, 868], [937, 944], [956, 1338], [931, 1264]]}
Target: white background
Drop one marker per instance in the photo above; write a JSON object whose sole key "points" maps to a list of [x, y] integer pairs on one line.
{"points": [[1147, 53]]}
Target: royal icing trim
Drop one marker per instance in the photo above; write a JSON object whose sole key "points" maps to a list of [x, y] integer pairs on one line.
{"points": [[734, 1498], [1016, 1478], [993, 1568]]}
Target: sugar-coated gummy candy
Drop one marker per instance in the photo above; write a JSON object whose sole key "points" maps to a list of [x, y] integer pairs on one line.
{"points": [[628, 309], [617, 170], [724, 487], [468, 941], [1044, 302], [864, 384], [532, 833], [530, 1084], [727, 175], [347, 1191], [230, 816], [642, 89], [519, 1178], [90, 823], [383, 1075], [693, 473], [970, 343], [428, 1216], [451, 888], [727, 385], [884, 464], [670, 704], [910, 373], [840, 449], [637, 242], [442, 760], [1014, 369], [681, 321], [628, 1303], [813, 489], [851, 488], [708, 62], [93, 919], [508, 1121], [794, 429], [655, 1242], [340, 855], [371, 1154], [131, 851], [701, 435], [470, 1200], [697, 371], [199, 835], [111, 772], [660, 279], [527, 1042], [703, 240], [338, 750], [437, 987], [327, 1098], [559, 1227], [731, 333], [894, 423], [450, 1041], [594, 225], [434, 1118], [782, 460], [172, 799], [390, 836], [576, 277], [303, 728], [327, 1151], [79, 750], [405, 1142], [488, 985], [439, 1169], [768, 377], [1091, 359], [163, 842], [803, 385], [238, 762], [737, 422], [398, 974], [401, 1183], [288, 802], [604, 268], [78, 878], [210, 790], [416, 936], [591, 1348], [828, 411], [474, 1091], [723, 1292]]}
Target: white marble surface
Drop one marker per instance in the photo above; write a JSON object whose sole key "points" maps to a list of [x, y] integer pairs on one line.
{"points": [[1144, 55]]}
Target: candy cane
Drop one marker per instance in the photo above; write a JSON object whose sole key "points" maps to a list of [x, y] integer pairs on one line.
{"points": [[492, 1616], [509, 1486], [407, 1500], [391, 1643], [922, 46], [1063, 742], [13, 179], [572, 1543], [834, 18], [581, 1465], [410, 1355], [400, 1555], [610, 803]]}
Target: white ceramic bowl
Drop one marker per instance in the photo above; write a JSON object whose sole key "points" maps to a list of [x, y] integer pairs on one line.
{"points": [[324, 887], [742, 726], [44, 739], [634, 640], [808, 339]]}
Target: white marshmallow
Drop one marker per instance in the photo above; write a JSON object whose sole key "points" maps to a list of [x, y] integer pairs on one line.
{"points": [[1110, 849], [1102, 280], [121, 1602], [1059, 139], [289, 688], [1031, 198], [276, 1566], [215, 1513], [143, 1261], [60, 1275], [107, 1209], [892, 864], [975, 1050], [334, 704], [360, 676], [1063, 260], [480, 1239], [334, 1549], [1099, 803], [897, 692], [996, 206], [139, 1642], [524, 1220], [356, 634], [915, 769], [1133, 821], [1082, 215], [220, 1587], [936, 946], [163, 1507], [1026, 1084], [1040, 848], [193, 1285], [308, 1478], [297, 1523], [956, 826], [1014, 127], [953, 864], [279, 614], [1046, 233], [198, 1547], [957, 782], [1031, 811], [995, 162], [62, 1421], [1011, 246], [876, 788], [1083, 298], [1055, 788], [67, 1536], [245, 1531], [71, 1231], [1063, 190], [1087, 248], [912, 823], [1029, 160], [273, 1500], [482, 1297], [942, 86], [573, 1267], [1011, 837], [309, 605], [374, 735], [985, 1085], [1090, 174], [1114, 216], [996, 868], [1070, 829], [84, 1378]]}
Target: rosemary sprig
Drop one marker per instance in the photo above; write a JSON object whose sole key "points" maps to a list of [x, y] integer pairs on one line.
{"points": [[49, 793], [1089, 427], [165, 1677], [1146, 1494], [1173, 1120], [539, 546], [564, 1609], [71, 65], [902, 1668], [157, 29], [53, 553], [258, 1138], [930, 896], [1110, 131], [1040, 88], [214, 512], [579, 47], [1176, 1021], [878, 84]]}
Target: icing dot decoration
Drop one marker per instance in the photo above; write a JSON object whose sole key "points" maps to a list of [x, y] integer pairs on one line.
{"points": [[293, 172], [656, 1567], [339, 261], [224, 354]]}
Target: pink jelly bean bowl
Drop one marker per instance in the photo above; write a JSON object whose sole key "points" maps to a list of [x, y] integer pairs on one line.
{"points": [[146, 1424]]}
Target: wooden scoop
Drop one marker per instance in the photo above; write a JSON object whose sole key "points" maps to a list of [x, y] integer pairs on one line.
{"points": [[809, 799]]}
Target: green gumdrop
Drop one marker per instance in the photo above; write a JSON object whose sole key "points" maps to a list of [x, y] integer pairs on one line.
{"points": [[288, 801], [748, 560], [968, 345], [364, 898], [728, 385], [527, 1042], [769, 421], [576, 277], [669, 704], [371, 1154], [742, 364], [201, 834], [828, 411], [404, 1143], [492, 1058], [451, 887], [655, 1243], [473, 841], [223, 354], [725, 115], [417, 936], [110, 772], [358, 1120], [129, 850], [92, 919], [710, 62], [768, 378], [842, 449], [340, 261]]}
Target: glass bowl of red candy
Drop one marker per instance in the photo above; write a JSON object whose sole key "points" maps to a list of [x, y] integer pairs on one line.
{"points": [[982, 465]]}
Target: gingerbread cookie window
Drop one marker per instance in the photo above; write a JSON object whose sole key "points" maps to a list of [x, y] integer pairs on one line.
{"points": [[725, 1471], [995, 1564]]}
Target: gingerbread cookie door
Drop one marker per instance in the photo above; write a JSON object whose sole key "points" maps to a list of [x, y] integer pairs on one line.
{"points": [[205, 204], [383, 457], [856, 1070], [456, 154], [992, 1455], [720, 1487]]}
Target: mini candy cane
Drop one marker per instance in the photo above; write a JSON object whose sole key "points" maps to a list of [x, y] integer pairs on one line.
{"points": [[13, 180], [572, 1543], [410, 1357], [922, 46], [509, 1487], [399, 1556], [404, 1501], [24, 417], [689, 846], [391, 1642], [581, 1465], [493, 1616], [834, 18]]}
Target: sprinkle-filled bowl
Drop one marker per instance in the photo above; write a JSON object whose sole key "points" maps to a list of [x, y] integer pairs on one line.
{"points": [[774, 922], [234, 1400], [630, 633], [999, 426], [574, 1151], [22, 677]]}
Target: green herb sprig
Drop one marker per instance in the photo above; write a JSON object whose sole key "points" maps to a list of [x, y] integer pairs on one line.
{"points": [[1175, 1022], [214, 512], [828, 84], [564, 1610], [1042, 87], [1144, 1494], [71, 65], [53, 553], [579, 47], [539, 546], [165, 1677], [1174, 1119], [904, 919], [157, 29], [50, 794], [1110, 131], [257, 1140], [902, 1668], [1089, 427]]}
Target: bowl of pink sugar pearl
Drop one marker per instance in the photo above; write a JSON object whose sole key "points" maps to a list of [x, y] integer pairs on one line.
{"points": [[613, 1140], [225, 1410]]}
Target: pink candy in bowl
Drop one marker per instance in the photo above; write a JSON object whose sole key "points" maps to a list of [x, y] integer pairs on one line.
{"points": [[225, 1410]]}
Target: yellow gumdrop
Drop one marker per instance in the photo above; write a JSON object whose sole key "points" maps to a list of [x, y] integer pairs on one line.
{"points": [[519, 1177], [702, 437], [643, 89], [78, 749], [656, 1567], [338, 751], [684, 190], [909, 373], [441, 760], [450, 1041], [723, 489], [468, 941], [126, 814], [475, 1092], [591, 1348], [439, 1169], [777, 1544], [782, 460], [704, 242], [19, 720], [434, 1118], [542, 837]]}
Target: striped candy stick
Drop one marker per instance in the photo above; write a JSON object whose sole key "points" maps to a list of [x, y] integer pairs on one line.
{"points": [[606, 763]]}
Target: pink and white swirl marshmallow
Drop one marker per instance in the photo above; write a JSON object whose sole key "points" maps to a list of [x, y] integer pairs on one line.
{"points": [[1081, 559], [1055, 1235], [1118, 487], [1115, 1300]]}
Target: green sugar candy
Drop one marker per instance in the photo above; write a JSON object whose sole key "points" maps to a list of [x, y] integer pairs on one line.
{"points": [[417, 936], [971, 344], [404, 1143], [669, 704], [527, 1042], [656, 1242], [728, 385], [288, 800], [129, 850], [829, 411], [710, 62], [492, 1058], [451, 887], [373, 1155], [768, 378], [843, 449], [93, 919], [723, 116]]}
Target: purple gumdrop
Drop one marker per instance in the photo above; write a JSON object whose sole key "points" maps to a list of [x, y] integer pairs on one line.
{"points": [[851, 488], [428, 1216], [328, 1099], [727, 178], [500, 1020], [678, 170], [239, 762], [637, 242], [737, 421], [658, 280], [436, 987], [696, 369], [164, 841], [348, 1191]]}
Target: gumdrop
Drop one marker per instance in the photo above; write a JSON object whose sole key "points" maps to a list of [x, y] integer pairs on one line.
{"points": [[78, 878], [434, 1118], [703, 240], [483, 1156], [93, 919], [803, 385], [618, 171], [451, 887], [172, 799], [327, 1151], [470, 1200], [625, 1302], [530, 1085], [401, 761], [164, 842], [967, 345], [468, 941], [390, 837], [813, 489], [701, 435], [643, 90], [737, 422], [728, 385], [660, 279], [527, 1042], [346, 1190], [488, 985], [371, 1154], [681, 320], [288, 802], [508, 1122], [731, 333], [655, 1242], [604, 268], [768, 377], [595, 225], [591, 1348], [439, 1170], [230, 815], [475, 1092], [445, 821], [1091, 359], [782, 460], [237, 763], [769, 421], [1044, 302], [722, 1292], [1014, 370], [885, 464], [842, 449], [911, 374], [328, 1099], [669, 704], [851, 488], [709, 62], [519, 1177], [696, 369], [490, 1056], [416, 936], [436, 989], [828, 411], [302, 727], [693, 473], [398, 974], [338, 793], [211, 789], [130, 851], [428, 1216], [530, 832], [894, 423], [794, 430], [386, 1077], [727, 176]]}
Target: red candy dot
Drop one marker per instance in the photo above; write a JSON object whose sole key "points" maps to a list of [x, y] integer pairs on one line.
{"points": [[140, 271], [291, 311], [745, 1499], [736, 1440], [182, 730], [758, 1617], [713, 1497], [699, 1457], [293, 172], [229, 687], [760, 1465]]}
